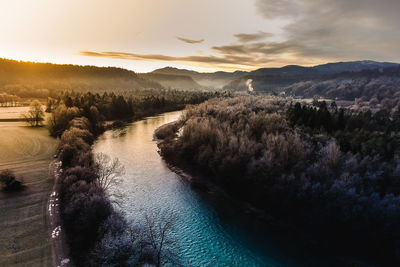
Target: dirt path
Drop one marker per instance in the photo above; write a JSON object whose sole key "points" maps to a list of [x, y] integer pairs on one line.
{"points": [[58, 244]]}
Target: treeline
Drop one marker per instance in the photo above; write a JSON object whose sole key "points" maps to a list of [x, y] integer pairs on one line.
{"points": [[26, 90], [97, 233], [86, 210], [293, 162], [8, 100]]}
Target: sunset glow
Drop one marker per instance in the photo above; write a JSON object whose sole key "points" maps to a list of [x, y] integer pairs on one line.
{"points": [[202, 35]]}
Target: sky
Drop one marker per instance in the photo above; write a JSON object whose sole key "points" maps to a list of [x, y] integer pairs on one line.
{"points": [[203, 35]]}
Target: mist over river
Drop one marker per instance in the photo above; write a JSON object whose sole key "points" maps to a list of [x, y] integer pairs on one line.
{"points": [[209, 232]]}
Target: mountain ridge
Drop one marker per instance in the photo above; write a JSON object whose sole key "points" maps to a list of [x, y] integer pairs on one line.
{"points": [[47, 77], [220, 77], [275, 79]]}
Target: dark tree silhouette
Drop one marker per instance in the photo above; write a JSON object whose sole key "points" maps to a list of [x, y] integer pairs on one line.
{"points": [[35, 116]]}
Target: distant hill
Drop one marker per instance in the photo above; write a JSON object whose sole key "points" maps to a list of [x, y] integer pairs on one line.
{"points": [[342, 80], [329, 68], [353, 66], [27, 79], [266, 79], [366, 84], [180, 82], [276, 79], [214, 80]]}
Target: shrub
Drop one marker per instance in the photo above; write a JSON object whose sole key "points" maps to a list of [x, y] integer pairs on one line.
{"points": [[72, 135], [116, 245], [9, 181], [167, 131], [85, 209], [60, 118]]}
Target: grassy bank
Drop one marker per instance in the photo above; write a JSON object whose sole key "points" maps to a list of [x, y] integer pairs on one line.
{"points": [[24, 239]]}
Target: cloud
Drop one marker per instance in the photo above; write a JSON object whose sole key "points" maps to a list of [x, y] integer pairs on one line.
{"points": [[251, 37], [274, 8], [229, 57], [265, 49], [340, 29], [244, 56], [313, 32], [209, 59], [189, 41]]}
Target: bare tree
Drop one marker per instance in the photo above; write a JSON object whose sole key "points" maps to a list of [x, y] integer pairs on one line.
{"points": [[332, 154], [35, 116], [109, 171], [158, 236]]}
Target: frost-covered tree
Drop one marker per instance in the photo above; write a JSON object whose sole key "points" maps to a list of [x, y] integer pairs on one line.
{"points": [[109, 171]]}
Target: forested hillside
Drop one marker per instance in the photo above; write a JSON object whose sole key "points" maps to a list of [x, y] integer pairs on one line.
{"points": [[213, 80], [365, 80], [377, 85], [343, 80], [180, 82], [27, 79]]}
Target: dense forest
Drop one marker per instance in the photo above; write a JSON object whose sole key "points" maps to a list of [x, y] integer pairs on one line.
{"points": [[319, 166]]}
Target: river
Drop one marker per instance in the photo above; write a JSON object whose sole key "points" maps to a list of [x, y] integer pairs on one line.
{"points": [[209, 232]]}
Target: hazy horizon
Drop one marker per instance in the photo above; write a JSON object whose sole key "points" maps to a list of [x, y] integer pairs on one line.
{"points": [[194, 69]]}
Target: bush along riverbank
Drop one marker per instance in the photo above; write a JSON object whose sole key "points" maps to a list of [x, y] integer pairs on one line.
{"points": [[292, 161], [96, 232]]}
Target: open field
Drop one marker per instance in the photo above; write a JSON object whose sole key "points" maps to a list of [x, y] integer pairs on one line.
{"points": [[24, 236], [14, 114], [11, 114]]}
